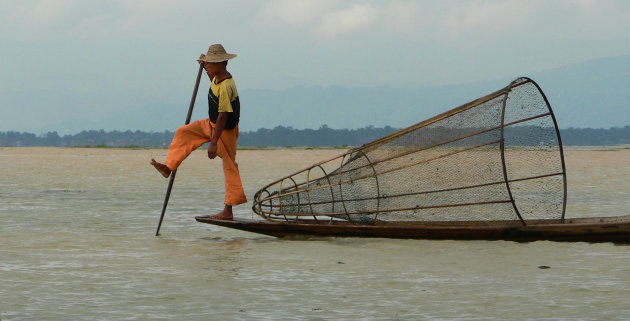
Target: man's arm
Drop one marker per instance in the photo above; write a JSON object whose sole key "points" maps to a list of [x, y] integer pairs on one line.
{"points": [[218, 129]]}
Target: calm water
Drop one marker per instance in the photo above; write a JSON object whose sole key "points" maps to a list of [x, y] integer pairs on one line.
{"points": [[77, 243]]}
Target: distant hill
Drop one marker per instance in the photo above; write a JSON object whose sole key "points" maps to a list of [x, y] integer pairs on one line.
{"points": [[592, 94]]}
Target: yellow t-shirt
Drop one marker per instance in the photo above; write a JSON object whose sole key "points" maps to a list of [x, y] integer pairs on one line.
{"points": [[223, 98], [226, 92]]}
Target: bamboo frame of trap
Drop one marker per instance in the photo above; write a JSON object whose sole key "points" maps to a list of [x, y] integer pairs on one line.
{"points": [[270, 205]]}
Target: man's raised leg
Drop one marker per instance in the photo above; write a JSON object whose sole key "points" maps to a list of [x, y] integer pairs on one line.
{"points": [[163, 169], [187, 138]]}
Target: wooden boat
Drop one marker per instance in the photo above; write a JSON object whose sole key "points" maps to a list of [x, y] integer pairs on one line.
{"points": [[490, 169], [600, 229]]}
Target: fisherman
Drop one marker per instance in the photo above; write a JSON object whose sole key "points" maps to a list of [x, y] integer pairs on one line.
{"points": [[220, 129]]}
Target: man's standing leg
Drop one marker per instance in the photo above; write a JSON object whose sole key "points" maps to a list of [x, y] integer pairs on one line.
{"points": [[234, 193]]}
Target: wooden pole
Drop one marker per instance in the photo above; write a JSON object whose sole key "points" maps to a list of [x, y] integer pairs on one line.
{"points": [[170, 183]]}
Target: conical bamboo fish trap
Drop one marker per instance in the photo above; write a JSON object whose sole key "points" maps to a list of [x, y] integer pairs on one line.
{"points": [[496, 158]]}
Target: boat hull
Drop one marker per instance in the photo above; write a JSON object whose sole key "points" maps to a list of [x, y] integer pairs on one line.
{"points": [[605, 229]]}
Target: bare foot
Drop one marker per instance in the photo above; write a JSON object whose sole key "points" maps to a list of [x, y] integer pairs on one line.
{"points": [[226, 214], [163, 169]]}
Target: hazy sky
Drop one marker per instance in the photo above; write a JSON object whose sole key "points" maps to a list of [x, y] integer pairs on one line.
{"points": [[152, 44]]}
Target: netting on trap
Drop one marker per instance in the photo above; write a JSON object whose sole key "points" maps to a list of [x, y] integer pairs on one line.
{"points": [[496, 158]]}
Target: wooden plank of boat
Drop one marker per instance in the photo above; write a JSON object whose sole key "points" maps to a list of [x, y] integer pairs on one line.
{"points": [[601, 229]]}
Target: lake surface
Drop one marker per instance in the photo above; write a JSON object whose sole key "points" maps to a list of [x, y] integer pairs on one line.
{"points": [[77, 243]]}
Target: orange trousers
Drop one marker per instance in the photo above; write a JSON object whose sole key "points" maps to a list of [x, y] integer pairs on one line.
{"points": [[189, 137]]}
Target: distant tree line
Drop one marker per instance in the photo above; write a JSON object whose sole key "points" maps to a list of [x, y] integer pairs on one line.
{"points": [[88, 138], [595, 136], [278, 136]]}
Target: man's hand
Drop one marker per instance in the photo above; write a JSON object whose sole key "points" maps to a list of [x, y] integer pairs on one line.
{"points": [[218, 129], [212, 151]]}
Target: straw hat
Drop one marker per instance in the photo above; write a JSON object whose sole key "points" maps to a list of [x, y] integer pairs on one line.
{"points": [[216, 53]]}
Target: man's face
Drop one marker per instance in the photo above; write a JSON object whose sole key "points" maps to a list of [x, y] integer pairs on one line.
{"points": [[212, 68]]}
